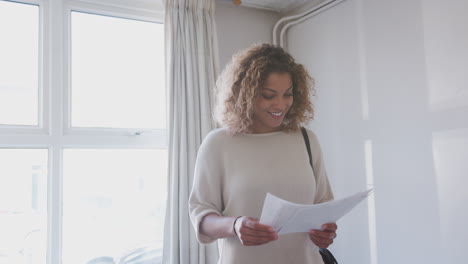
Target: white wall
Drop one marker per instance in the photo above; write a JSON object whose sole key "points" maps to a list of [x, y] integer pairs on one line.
{"points": [[392, 112], [239, 27]]}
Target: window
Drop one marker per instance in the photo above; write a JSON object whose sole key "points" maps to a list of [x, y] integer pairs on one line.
{"points": [[19, 84], [106, 190], [116, 65], [23, 205], [83, 134]]}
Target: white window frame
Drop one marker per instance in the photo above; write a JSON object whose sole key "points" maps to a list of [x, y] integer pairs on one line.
{"points": [[54, 131]]}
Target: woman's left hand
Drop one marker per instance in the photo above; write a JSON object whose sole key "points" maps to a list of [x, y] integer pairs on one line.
{"points": [[324, 238]]}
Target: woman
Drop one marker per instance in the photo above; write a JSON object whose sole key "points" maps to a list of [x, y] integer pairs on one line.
{"points": [[263, 99]]}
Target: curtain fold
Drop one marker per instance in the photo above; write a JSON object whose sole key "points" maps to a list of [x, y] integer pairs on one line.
{"points": [[192, 66]]}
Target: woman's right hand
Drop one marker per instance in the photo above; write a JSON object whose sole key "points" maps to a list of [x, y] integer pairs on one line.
{"points": [[251, 233]]}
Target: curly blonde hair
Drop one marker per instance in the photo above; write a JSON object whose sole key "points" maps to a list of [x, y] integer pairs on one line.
{"points": [[244, 77]]}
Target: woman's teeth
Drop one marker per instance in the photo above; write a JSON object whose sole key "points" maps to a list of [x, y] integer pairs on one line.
{"points": [[277, 114]]}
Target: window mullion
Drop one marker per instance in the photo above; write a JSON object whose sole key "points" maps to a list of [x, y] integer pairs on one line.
{"points": [[55, 207], [55, 30]]}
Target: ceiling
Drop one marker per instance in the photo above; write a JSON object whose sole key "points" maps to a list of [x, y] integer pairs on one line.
{"points": [[280, 6]]}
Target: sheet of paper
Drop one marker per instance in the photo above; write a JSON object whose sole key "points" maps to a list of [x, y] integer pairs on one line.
{"points": [[287, 217]]}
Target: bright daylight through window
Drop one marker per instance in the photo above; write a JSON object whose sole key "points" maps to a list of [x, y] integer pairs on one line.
{"points": [[78, 185], [23, 205], [19, 64], [116, 64], [113, 197]]}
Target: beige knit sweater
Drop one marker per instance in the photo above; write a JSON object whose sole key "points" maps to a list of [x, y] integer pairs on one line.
{"points": [[233, 175]]}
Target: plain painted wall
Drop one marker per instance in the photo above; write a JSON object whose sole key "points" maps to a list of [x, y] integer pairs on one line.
{"points": [[239, 27], [392, 113]]}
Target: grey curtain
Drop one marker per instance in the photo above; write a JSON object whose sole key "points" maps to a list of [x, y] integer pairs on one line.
{"points": [[191, 65]]}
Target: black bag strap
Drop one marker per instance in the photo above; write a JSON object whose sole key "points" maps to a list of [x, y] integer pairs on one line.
{"points": [[307, 143], [327, 256]]}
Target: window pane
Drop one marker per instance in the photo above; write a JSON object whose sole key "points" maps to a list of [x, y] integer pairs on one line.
{"points": [[19, 45], [23, 206], [114, 204], [117, 73]]}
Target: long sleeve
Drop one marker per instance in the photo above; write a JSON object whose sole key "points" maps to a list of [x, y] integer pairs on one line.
{"points": [[206, 196], [323, 192]]}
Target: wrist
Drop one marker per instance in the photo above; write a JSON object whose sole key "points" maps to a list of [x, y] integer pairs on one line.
{"points": [[234, 226]]}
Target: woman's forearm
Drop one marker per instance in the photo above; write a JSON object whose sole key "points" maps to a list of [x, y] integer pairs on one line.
{"points": [[215, 226]]}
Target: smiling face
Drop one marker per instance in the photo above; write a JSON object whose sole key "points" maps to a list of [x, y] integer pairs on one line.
{"points": [[272, 103]]}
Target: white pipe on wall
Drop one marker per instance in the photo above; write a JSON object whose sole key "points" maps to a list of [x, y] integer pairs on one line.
{"points": [[296, 19]]}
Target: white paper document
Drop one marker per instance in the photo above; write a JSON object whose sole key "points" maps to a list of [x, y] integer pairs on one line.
{"points": [[287, 217]]}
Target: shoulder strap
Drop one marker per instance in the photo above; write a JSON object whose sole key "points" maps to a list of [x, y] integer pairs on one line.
{"points": [[307, 143]]}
